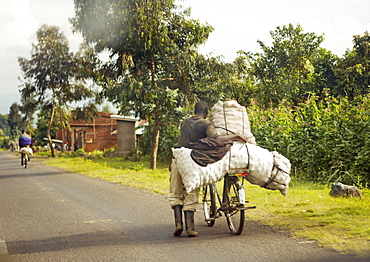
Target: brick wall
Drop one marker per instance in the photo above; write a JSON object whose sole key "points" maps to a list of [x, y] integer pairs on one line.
{"points": [[94, 135]]}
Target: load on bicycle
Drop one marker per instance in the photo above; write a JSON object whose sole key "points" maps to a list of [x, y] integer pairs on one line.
{"points": [[199, 165]]}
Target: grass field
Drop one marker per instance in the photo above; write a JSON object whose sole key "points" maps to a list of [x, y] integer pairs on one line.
{"points": [[307, 211]]}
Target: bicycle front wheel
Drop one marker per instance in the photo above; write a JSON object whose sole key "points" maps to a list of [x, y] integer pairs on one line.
{"points": [[236, 200], [209, 205]]}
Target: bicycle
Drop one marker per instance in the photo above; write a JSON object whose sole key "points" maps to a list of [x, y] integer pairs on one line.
{"points": [[231, 204], [25, 155]]}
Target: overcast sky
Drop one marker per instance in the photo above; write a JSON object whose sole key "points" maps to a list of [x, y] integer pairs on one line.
{"points": [[238, 25]]}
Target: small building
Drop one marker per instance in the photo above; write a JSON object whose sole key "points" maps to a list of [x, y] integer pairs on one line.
{"points": [[126, 133], [103, 132]]}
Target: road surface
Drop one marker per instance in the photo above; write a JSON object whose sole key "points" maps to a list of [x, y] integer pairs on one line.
{"points": [[47, 214]]}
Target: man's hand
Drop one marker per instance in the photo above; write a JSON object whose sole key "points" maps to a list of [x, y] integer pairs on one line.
{"points": [[243, 138]]}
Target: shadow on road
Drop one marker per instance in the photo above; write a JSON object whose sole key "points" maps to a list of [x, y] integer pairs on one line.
{"points": [[133, 235]]}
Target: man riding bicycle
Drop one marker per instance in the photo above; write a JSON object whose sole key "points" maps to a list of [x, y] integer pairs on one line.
{"points": [[25, 143]]}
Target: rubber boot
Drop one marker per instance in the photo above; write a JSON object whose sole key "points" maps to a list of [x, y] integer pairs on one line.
{"points": [[189, 221], [178, 220]]}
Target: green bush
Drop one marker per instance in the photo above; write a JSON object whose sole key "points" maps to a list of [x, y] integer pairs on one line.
{"points": [[80, 152], [109, 152], [96, 154], [326, 141]]}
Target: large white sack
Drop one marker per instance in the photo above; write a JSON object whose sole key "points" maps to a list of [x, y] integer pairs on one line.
{"points": [[26, 150], [195, 176], [230, 115], [264, 168]]}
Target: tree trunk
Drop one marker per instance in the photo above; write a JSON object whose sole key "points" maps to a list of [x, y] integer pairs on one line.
{"points": [[61, 121], [49, 129], [155, 139]]}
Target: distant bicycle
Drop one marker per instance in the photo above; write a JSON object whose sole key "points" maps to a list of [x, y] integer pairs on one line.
{"points": [[230, 202], [25, 155]]}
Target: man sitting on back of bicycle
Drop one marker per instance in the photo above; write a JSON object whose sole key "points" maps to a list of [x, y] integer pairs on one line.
{"points": [[24, 142], [192, 129]]}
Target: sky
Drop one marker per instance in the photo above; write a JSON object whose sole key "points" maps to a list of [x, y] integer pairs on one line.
{"points": [[238, 25]]}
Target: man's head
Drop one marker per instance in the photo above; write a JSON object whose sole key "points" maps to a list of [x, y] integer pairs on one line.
{"points": [[24, 131], [201, 109]]}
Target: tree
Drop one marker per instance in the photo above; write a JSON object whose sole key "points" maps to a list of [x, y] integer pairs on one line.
{"points": [[153, 46], [4, 125], [284, 70], [324, 63], [239, 84], [53, 76], [15, 121], [353, 70]]}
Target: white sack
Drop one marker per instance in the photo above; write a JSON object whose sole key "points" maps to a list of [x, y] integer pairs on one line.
{"points": [[26, 150], [232, 116], [260, 164], [195, 176]]}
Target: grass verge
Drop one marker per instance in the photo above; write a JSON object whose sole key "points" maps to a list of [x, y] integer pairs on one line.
{"points": [[307, 211]]}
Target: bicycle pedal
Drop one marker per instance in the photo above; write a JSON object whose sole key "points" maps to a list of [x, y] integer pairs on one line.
{"points": [[210, 219]]}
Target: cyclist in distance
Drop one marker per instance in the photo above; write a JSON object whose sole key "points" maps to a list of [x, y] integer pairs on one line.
{"points": [[192, 129], [24, 141]]}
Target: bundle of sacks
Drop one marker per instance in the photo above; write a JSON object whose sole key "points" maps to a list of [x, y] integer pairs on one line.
{"points": [[230, 117], [266, 169], [26, 150]]}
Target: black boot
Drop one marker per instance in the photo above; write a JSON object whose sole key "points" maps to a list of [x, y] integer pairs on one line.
{"points": [[189, 221], [178, 219]]}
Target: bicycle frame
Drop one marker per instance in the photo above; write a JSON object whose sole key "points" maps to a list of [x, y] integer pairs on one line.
{"points": [[230, 203]]}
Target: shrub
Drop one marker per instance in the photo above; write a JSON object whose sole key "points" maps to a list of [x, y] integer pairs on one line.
{"points": [[326, 140]]}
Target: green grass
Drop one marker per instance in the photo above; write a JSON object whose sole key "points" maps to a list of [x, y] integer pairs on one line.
{"points": [[307, 211], [131, 173]]}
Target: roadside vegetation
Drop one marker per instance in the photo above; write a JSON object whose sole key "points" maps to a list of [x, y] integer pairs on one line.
{"points": [[306, 212], [302, 101]]}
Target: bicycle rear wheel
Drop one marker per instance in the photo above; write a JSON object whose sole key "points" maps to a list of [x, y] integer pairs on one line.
{"points": [[209, 205], [25, 160], [236, 199]]}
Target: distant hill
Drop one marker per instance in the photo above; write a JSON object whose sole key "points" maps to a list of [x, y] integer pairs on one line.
{"points": [[7, 100]]}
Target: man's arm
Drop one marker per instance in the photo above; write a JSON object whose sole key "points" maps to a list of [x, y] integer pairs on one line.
{"points": [[232, 137]]}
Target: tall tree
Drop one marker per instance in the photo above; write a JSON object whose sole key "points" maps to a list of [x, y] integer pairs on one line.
{"points": [[15, 121], [52, 76], [284, 70], [4, 125], [324, 63], [240, 84], [353, 70], [153, 46]]}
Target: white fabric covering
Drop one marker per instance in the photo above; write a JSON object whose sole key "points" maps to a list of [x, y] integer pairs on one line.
{"points": [[26, 150], [232, 116], [260, 164]]}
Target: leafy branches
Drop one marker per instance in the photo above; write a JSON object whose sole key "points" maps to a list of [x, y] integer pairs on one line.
{"points": [[284, 69], [53, 76], [152, 45]]}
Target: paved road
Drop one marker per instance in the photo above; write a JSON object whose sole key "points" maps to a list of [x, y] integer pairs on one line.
{"points": [[47, 214]]}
